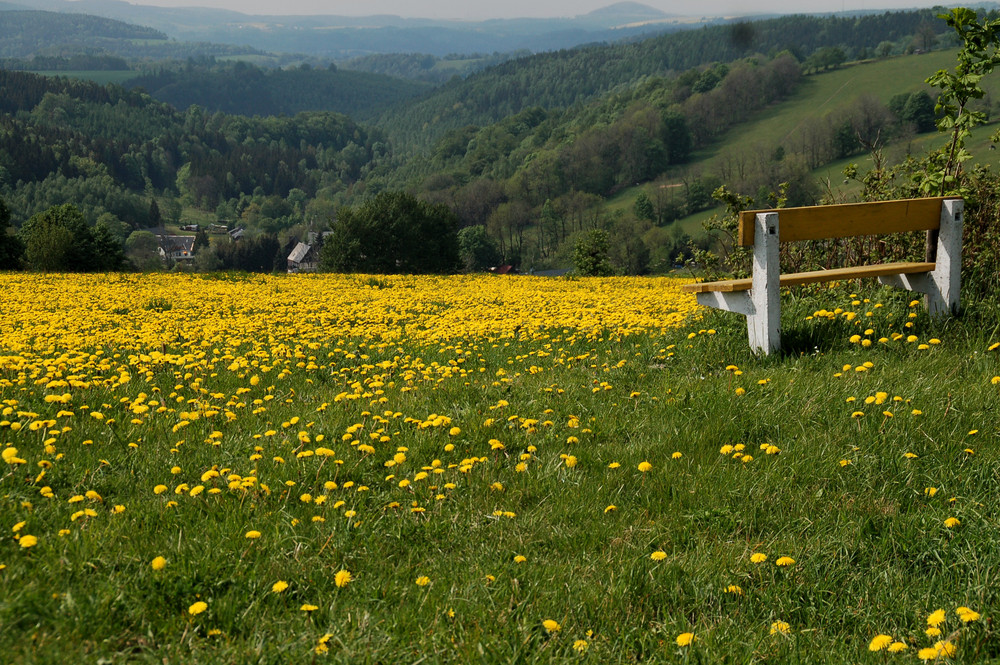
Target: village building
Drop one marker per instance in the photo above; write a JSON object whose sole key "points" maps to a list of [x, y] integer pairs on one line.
{"points": [[304, 258], [176, 248]]}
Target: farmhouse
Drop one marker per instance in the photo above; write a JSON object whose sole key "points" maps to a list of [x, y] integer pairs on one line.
{"points": [[304, 258], [176, 248]]}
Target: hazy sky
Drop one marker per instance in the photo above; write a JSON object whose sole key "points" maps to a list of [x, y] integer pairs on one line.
{"points": [[472, 9]]}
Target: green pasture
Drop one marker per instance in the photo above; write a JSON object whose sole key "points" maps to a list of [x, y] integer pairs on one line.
{"points": [[655, 468]]}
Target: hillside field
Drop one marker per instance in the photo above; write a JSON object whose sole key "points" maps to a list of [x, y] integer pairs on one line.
{"points": [[358, 469], [829, 93]]}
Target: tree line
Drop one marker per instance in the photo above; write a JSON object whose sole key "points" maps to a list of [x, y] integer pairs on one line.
{"points": [[241, 88]]}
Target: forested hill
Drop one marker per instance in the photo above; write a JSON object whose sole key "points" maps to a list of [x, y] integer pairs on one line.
{"points": [[245, 89], [24, 33], [561, 79], [103, 148]]}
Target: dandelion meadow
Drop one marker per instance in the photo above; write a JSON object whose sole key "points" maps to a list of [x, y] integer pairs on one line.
{"points": [[352, 469]]}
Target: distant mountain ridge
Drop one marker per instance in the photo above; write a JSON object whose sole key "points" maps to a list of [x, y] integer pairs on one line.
{"points": [[629, 9], [344, 36]]}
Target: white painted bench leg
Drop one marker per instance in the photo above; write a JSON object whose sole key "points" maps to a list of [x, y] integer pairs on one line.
{"points": [[942, 285], [947, 273], [764, 323]]}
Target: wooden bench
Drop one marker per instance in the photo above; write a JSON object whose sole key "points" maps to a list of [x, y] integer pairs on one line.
{"points": [[757, 298]]}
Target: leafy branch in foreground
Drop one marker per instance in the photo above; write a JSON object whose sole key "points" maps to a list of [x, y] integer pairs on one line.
{"points": [[977, 58]]}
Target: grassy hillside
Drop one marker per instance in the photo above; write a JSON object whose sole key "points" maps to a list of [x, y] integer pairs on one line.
{"points": [[827, 93], [348, 469], [820, 94]]}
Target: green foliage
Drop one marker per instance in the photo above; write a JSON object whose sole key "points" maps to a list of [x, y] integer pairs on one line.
{"points": [[11, 247], [263, 253], [200, 241], [828, 57], [477, 249], [60, 240], [393, 233], [919, 111], [979, 54], [643, 207], [244, 89], [142, 249], [590, 254]]}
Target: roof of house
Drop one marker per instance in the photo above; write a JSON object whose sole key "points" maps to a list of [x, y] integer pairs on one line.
{"points": [[171, 244], [299, 252]]}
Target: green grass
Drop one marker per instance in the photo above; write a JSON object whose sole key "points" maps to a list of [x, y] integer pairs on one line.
{"points": [[872, 554]]}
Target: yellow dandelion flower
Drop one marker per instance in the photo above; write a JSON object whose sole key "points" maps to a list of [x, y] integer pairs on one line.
{"points": [[927, 653], [879, 642], [967, 615], [645, 466], [936, 618], [685, 639], [252, 535], [758, 557], [158, 563], [26, 541], [197, 608], [279, 586], [945, 648], [342, 578], [784, 561], [780, 627], [306, 607], [551, 626], [952, 522], [423, 580], [897, 647], [658, 555]]}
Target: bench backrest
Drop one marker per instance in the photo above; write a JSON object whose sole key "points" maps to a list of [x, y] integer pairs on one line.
{"points": [[848, 219]]}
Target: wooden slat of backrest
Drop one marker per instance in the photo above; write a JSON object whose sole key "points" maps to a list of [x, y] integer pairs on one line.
{"points": [[848, 219]]}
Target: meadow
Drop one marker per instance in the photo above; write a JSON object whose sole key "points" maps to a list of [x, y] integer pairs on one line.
{"points": [[354, 469]]}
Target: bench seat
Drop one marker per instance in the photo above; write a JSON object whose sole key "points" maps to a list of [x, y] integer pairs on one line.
{"points": [[831, 275]]}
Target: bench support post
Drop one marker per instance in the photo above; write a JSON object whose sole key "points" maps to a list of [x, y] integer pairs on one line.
{"points": [[764, 323], [947, 273], [942, 285]]}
